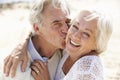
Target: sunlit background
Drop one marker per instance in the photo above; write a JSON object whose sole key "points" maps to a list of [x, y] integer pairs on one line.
{"points": [[14, 18]]}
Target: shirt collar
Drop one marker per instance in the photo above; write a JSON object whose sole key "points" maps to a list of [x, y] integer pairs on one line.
{"points": [[33, 52]]}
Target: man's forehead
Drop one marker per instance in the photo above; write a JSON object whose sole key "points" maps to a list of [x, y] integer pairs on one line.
{"points": [[54, 14], [57, 17], [57, 13], [53, 11]]}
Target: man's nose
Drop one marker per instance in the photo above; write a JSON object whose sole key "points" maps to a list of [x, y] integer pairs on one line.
{"points": [[65, 28]]}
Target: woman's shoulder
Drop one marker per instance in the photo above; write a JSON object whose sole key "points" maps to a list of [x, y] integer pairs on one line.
{"points": [[87, 67], [87, 62], [89, 58]]}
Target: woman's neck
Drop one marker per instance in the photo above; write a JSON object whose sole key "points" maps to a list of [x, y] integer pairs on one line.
{"points": [[67, 65]]}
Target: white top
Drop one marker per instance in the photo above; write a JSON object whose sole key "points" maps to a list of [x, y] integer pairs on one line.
{"points": [[33, 54], [86, 68]]}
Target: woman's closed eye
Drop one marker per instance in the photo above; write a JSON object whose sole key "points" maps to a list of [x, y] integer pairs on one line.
{"points": [[86, 35]]}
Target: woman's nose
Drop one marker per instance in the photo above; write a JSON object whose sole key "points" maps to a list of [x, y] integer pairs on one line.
{"points": [[76, 36]]}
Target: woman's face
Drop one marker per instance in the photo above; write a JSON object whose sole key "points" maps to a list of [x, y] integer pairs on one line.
{"points": [[81, 37]]}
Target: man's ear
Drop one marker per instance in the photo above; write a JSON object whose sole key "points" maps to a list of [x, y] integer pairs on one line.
{"points": [[36, 28]]}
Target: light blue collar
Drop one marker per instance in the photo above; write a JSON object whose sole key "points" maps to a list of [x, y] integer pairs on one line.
{"points": [[33, 52]]}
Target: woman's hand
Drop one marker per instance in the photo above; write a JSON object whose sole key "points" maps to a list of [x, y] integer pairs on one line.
{"points": [[40, 70]]}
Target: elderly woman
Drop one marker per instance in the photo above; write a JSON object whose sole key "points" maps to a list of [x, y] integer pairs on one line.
{"points": [[86, 39]]}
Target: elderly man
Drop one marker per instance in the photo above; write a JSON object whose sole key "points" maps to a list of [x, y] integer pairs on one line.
{"points": [[50, 25]]}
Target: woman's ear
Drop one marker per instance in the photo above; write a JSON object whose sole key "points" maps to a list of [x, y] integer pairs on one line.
{"points": [[36, 28]]}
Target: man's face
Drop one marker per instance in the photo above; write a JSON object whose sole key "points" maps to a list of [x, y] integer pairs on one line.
{"points": [[54, 26]]}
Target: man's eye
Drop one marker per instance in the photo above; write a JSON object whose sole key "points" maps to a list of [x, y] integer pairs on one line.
{"points": [[58, 24], [74, 26], [68, 24], [86, 35]]}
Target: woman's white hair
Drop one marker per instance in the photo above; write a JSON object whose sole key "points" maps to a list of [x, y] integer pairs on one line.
{"points": [[104, 28]]}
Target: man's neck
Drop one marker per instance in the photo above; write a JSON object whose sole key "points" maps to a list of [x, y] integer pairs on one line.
{"points": [[43, 47]]}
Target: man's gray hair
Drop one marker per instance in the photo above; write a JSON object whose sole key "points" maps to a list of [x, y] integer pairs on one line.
{"points": [[39, 6], [104, 28]]}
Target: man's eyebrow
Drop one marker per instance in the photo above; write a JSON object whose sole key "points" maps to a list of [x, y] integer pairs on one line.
{"points": [[55, 21]]}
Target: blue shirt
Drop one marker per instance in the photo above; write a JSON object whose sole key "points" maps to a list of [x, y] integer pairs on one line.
{"points": [[33, 52]]}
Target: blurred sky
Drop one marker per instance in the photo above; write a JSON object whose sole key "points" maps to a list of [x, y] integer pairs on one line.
{"points": [[9, 1]]}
